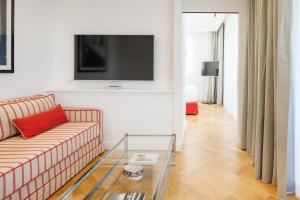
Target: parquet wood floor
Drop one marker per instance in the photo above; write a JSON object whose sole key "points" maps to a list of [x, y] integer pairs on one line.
{"points": [[210, 166]]}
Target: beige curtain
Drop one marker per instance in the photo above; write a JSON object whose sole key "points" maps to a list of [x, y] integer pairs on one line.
{"points": [[265, 94], [283, 91], [214, 90], [258, 120], [220, 57], [210, 86]]}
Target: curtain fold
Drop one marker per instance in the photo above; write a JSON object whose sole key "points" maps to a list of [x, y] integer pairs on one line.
{"points": [[296, 67], [258, 121], [293, 160], [214, 92], [211, 82], [220, 58], [283, 91], [268, 94], [214, 40], [265, 93]]}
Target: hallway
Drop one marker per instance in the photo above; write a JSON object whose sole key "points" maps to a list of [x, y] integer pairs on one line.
{"points": [[211, 166]]}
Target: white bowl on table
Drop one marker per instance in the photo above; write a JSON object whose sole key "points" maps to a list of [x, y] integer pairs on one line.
{"points": [[133, 172]]}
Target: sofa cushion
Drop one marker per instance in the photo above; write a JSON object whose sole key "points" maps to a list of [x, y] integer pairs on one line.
{"points": [[37, 124], [23, 160], [50, 181], [19, 108]]}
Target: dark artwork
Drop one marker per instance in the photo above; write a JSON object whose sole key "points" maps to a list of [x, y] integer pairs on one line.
{"points": [[5, 61], [3, 32]]}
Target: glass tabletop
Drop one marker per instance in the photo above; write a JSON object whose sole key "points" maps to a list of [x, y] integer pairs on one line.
{"points": [[137, 164]]}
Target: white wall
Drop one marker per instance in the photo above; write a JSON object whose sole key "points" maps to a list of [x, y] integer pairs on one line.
{"points": [[33, 49], [198, 50], [179, 123], [135, 112], [231, 65], [142, 106], [112, 17]]}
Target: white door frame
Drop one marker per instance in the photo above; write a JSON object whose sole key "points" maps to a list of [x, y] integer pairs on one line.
{"points": [[180, 6]]}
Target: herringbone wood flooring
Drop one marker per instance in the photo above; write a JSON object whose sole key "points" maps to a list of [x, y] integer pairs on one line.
{"points": [[210, 166]]}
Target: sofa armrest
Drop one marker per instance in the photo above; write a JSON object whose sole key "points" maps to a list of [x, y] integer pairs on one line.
{"points": [[84, 114]]}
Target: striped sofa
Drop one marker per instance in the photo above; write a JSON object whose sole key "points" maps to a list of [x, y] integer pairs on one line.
{"points": [[35, 168]]}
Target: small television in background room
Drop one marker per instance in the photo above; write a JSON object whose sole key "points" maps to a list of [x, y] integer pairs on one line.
{"points": [[114, 57], [210, 68]]}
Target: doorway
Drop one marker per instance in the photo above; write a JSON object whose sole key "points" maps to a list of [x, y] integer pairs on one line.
{"points": [[211, 61]]}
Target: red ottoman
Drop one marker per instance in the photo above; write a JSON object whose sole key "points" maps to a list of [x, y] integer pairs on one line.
{"points": [[192, 108]]}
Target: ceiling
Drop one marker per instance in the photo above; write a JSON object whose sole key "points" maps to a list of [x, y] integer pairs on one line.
{"points": [[197, 22]]}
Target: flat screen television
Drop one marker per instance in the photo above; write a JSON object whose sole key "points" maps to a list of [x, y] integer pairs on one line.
{"points": [[114, 57], [210, 68]]}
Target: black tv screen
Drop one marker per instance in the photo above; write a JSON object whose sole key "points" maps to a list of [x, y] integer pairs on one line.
{"points": [[210, 68], [114, 57]]}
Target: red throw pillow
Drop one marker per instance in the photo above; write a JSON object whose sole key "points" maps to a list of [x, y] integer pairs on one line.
{"points": [[36, 124]]}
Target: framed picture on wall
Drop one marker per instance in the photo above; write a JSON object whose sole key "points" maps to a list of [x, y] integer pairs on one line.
{"points": [[6, 36]]}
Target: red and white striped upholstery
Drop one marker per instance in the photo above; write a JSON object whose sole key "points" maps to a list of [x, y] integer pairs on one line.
{"points": [[51, 180], [15, 100], [35, 168], [23, 160], [83, 114], [19, 108]]}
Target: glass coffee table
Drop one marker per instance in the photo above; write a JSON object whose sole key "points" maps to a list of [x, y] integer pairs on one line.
{"points": [[108, 180]]}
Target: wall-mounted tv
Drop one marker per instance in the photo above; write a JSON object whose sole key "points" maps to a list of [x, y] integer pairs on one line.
{"points": [[114, 57], [210, 68]]}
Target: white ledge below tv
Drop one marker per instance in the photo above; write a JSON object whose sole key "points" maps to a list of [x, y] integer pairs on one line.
{"points": [[123, 90]]}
